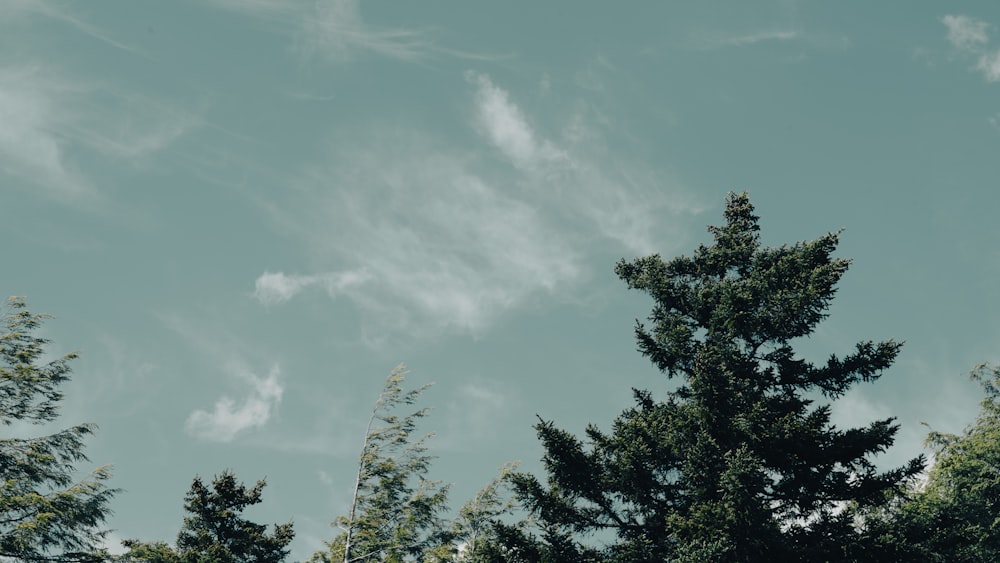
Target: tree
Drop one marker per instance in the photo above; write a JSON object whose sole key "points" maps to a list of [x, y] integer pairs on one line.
{"points": [[955, 515], [214, 532], [44, 514], [737, 463], [395, 512]]}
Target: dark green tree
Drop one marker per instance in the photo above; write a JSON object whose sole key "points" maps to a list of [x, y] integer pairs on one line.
{"points": [[954, 516], [214, 532], [738, 463], [44, 514]]}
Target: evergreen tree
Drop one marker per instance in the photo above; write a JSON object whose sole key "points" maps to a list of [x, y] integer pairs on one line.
{"points": [[214, 532], [737, 463], [395, 513], [44, 514]]}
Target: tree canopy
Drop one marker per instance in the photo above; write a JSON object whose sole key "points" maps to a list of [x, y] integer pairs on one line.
{"points": [[214, 531], [45, 515], [397, 513], [739, 462], [955, 515]]}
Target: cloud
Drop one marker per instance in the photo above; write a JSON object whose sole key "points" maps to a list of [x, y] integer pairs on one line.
{"points": [[12, 11], [231, 417], [334, 30], [753, 38], [573, 176], [30, 146], [971, 37], [709, 40], [272, 288], [506, 127], [52, 124], [965, 32], [435, 237], [989, 65]]}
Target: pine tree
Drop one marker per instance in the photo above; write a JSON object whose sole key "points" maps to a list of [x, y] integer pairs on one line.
{"points": [[44, 514], [214, 532], [737, 463]]}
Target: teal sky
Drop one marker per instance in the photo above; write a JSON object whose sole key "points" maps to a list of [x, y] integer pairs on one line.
{"points": [[244, 213]]}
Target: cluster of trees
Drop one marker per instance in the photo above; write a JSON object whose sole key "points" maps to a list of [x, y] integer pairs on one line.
{"points": [[738, 463]]}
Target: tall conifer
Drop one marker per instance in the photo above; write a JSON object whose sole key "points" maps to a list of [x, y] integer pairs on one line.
{"points": [[738, 463]]}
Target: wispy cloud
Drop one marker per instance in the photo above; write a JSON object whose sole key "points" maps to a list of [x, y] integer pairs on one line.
{"points": [[277, 287], [53, 124], [506, 127], [753, 38], [30, 146], [709, 40], [13, 11], [989, 65], [965, 32], [444, 247], [426, 237], [334, 30], [229, 417], [971, 36]]}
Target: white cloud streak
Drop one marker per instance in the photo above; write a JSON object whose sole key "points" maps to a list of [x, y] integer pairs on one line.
{"points": [[46, 136], [428, 238], [708, 40], [753, 38], [272, 288], [30, 147], [230, 417], [12, 10], [506, 126], [971, 36], [334, 30]]}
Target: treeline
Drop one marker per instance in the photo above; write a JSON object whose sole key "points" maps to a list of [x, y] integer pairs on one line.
{"points": [[737, 464]]}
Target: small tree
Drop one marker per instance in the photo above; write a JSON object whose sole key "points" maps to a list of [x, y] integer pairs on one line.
{"points": [[737, 463], [395, 511], [44, 514], [214, 532]]}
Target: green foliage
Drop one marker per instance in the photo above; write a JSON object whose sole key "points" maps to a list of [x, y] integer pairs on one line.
{"points": [[955, 516], [737, 463], [44, 514], [214, 532], [397, 513]]}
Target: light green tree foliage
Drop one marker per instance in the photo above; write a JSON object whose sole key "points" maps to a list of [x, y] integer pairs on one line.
{"points": [[737, 463], [214, 532], [44, 514], [397, 514], [955, 515]]}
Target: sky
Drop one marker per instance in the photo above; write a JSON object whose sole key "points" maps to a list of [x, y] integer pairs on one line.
{"points": [[244, 213]]}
